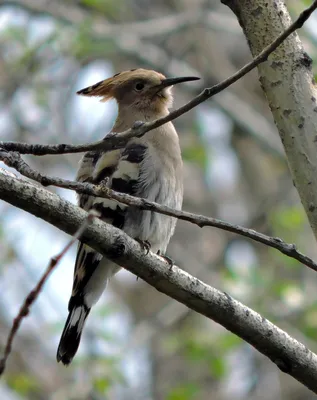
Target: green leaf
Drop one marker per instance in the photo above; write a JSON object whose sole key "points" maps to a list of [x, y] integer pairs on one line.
{"points": [[308, 322], [188, 391], [102, 385], [228, 341], [278, 287], [196, 153], [107, 7], [230, 274], [288, 218], [195, 351], [217, 367], [22, 383], [15, 33]]}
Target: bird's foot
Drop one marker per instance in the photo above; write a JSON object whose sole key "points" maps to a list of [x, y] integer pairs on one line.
{"points": [[145, 244], [169, 260]]}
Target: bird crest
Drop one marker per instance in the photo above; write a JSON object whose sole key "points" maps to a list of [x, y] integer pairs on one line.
{"points": [[106, 88]]}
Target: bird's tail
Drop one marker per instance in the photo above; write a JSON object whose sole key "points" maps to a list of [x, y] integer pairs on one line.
{"points": [[70, 339]]}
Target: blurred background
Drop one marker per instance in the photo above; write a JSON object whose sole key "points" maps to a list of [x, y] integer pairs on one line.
{"points": [[138, 343]]}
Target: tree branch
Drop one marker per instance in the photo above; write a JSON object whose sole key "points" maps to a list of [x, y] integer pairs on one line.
{"points": [[288, 354], [32, 296], [14, 160], [118, 140]]}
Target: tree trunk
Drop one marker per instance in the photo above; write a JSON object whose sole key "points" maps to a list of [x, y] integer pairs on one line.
{"points": [[288, 83]]}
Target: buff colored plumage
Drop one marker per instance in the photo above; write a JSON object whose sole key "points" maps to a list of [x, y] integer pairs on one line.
{"points": [[149, 167]]}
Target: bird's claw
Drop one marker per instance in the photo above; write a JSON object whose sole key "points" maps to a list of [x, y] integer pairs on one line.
{"points": [[145, 244], [169, 260]]}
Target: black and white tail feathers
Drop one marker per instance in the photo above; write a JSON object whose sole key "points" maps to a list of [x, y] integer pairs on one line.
{"points": [[70, 339]]}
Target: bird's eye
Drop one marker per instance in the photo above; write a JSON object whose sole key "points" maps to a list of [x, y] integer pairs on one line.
{"points": [[139, 86]]}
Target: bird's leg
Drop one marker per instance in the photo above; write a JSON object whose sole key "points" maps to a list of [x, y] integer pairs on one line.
{"points": [[166, 258], [145, 244]]}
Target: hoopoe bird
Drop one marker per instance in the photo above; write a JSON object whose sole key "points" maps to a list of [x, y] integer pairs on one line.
{"points": [[148, 167]]}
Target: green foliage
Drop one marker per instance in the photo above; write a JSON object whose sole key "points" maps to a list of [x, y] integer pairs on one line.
{"points": [[111, 369], [288, 222], [21, 383], [102, 385], [204, 351], [105, 371], [15, 33], [109, 8], [187, 391], [307, 322], [288, 218], [228, 341], [196, 153], [217, 367], [307, 2], [86, 46]]}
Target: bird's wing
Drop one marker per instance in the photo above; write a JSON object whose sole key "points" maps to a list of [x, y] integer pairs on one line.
{"points": [[122, 168], [85, 174]]}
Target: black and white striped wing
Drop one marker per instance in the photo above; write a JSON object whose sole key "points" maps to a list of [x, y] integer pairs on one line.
{"points": [[85, 174], [122, 168]]}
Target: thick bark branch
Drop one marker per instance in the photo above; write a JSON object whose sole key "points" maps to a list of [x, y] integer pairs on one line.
{"points": [[288, 83], [287, 353]]}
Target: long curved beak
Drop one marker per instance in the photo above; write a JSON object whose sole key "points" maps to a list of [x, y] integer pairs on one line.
{"points": [[173, 81]]}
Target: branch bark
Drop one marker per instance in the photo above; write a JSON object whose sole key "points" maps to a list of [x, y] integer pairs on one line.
{"points": [[14, 160], [288, 354], [288, 83]]}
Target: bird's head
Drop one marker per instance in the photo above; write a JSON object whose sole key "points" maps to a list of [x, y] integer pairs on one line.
{"points": [[138, 89]]}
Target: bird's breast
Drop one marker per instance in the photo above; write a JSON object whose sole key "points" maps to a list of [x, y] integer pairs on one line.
{"points": [[161, 181]]}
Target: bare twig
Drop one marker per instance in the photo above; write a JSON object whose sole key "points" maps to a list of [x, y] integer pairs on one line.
{"points": [[32, 296], [101, 28], [118, 140], [15, 160]]}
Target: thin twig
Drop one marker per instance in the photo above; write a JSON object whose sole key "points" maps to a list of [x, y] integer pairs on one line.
{"points": [[14, 160], [118, 140], [32, 296]]}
